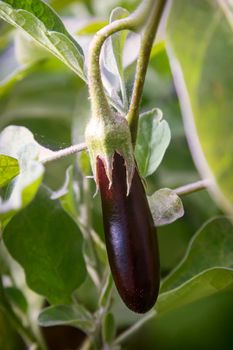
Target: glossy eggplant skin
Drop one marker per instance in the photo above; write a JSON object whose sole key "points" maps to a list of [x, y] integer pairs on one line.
{"points": [[130, 237]]}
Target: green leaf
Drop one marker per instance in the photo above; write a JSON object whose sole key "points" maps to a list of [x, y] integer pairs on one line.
{"points": [[166, 207], [152, 141], [9, 168], [201, 286], [206, 269], [70, 315], [43, 25], [18, 142], [47, 243], [212, 246], [204, 82]]}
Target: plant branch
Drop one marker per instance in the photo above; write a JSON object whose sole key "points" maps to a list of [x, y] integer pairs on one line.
{"points": [[134, 328], [142, 64], [193, 187], [64, 153], [99, 102]]}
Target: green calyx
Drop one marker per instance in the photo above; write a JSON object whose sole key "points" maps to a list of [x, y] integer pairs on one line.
{"points": [[104, 137]]}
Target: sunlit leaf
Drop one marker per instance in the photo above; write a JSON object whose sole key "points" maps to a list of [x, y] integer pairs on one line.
{"points": [[9, 168], [41, 22]]}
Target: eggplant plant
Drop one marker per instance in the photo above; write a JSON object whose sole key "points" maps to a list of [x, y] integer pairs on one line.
{"points": [[112, 156]]}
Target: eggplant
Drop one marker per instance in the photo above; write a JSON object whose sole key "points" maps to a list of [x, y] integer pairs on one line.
{"points": [[130, 236]]}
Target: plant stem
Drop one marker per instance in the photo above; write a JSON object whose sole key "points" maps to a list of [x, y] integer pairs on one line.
{"points": [[134, 328], [193, 187], [64, 153], [142, 64], [25, 332], [99, 102]]}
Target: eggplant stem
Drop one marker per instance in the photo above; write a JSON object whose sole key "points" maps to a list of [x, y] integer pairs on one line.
{"points": [[142, 64]]}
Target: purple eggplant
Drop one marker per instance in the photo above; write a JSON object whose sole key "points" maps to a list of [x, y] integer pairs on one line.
{"points": [[130, 237]]}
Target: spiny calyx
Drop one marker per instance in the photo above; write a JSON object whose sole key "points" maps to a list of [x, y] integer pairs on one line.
{"points": [[104, 137]]}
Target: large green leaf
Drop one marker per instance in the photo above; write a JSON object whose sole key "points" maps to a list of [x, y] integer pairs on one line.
{"points": [[48, 245], [38, 20], [152, 141], [206, 269], [201, 39]]}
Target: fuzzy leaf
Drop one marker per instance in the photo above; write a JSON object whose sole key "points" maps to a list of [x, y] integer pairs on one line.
{"points": [[152, 141], [166, 207]]}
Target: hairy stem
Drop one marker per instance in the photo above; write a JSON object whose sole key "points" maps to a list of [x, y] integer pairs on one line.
{"points": [[134, 328], [142, 64], [193, 187], [65, 152]]}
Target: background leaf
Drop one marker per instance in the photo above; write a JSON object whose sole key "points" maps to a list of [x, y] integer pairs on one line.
{"points": [[206, 269], [204, 80], [152, 141], [200, 286], [48, 245], [212, 246], [41, 22]]}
